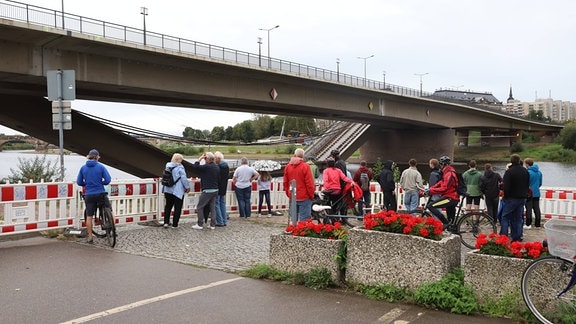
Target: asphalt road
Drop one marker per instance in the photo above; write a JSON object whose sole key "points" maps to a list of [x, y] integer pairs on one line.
{"points": [[51, 281]]}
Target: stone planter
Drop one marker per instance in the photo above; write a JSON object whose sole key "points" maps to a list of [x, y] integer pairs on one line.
{"points": [[402, 260], [491, 276], [302, 254]]}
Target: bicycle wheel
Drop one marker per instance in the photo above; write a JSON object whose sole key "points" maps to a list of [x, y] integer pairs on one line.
{"points": [[110, 227], [542, 281], [471, 225]]}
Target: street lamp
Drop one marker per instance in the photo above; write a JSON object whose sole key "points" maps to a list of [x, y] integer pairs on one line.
{"points": [[144, 12], [268, 31], [384, 80], [338, 69], [260, 51], [365, 58], [420, 75], [62, 28]]}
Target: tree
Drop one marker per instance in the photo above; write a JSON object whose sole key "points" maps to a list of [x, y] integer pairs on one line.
{"points": [[36, 169], [568, 136], [244, 131], [218, 133]]}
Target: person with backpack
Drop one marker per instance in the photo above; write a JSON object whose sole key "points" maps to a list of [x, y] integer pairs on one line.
{"points": [[447, 189], [473, 193], [490, 183], [175, 185], [363, 176], [388, 186]]}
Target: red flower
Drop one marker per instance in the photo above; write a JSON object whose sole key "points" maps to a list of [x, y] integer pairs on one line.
{"points": [[424, 232]]}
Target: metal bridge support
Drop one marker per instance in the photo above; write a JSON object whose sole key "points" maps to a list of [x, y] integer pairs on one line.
{"points": [[402, 145]]}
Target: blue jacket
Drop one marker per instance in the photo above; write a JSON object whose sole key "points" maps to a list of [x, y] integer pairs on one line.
{"points": [[180, 179], [535, 179], [94, 176]]}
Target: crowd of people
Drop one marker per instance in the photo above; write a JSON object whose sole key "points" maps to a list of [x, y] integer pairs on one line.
{"points": [[506, 197]]}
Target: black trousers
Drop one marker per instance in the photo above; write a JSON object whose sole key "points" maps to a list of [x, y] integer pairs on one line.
{"points": [[172, 201]]}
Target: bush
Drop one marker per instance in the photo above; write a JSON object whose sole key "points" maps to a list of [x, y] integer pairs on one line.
{"points": [[568, 136], [318, 278], [387, 292], [516, 147], [35, 170]]}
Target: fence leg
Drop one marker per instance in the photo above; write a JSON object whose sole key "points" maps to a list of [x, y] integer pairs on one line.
{"points": [[293, 213]]}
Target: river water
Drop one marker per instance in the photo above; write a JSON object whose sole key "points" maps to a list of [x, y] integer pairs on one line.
{"points": [[555, 174]]}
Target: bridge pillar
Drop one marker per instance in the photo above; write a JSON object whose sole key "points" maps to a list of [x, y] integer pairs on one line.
{"points": [[402, 145], [462, 137]]}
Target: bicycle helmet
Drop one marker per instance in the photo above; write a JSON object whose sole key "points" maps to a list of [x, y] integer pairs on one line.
{"points": [[445, 160], [335, 153]]}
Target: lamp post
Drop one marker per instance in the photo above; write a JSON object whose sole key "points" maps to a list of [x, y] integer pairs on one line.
{"points": [[62, 14], [144, 12], [384, 80], [421, 75], [260, 51], [365, 58], [338, 69], [268, 31]]}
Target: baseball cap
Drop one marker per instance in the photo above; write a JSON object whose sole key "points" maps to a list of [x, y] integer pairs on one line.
{"points": [[94, 152]]}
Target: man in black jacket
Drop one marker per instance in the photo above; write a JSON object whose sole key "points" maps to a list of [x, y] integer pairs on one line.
{"points": [[516, 184], [388, 186], [490, 186]]}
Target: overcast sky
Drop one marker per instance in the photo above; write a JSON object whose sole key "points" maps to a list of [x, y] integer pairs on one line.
{"points": [[481, 46]]}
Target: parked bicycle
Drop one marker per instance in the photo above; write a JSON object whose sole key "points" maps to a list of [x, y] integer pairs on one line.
{"points": [[104, 218], [547, 282], [323, 211], [467, 225]]}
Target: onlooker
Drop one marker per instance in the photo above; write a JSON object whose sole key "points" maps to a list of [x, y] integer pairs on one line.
{"points": [[93, 176], [332, 177], [313, 167], [340, 164], [174, 195], [264, 183], [221, 215], [472, 180], [490, 183], [209, 176], [446, 188], [516, 185], [435, 176], [298, 170], [411, 183], [363, 176], [388, 186], [533, 202], [242, 181]]}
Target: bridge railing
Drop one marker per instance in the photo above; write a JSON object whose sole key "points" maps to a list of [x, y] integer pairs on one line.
{"points": [[34, 207], [31, 14]]}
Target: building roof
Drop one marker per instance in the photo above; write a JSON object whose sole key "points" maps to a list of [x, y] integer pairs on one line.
{"points": [[479, 97]]}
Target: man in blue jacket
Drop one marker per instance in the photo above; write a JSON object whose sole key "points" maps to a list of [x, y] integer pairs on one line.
{"points": [[93, 176], [533, 202]]}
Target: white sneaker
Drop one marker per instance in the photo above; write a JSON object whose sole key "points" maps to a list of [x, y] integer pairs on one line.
{"points": [[258, 215], [165, 225], [212, 227], [527, 227], [269, 214], [198, 227]]}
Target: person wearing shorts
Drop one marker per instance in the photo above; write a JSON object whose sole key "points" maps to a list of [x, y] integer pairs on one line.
{"points": [[93, 176]]}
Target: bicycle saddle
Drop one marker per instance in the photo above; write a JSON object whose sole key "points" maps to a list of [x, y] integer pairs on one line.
{"points": [[319, 208]]}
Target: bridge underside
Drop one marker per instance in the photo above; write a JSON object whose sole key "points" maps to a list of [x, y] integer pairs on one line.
{"points": [[29, 115]]}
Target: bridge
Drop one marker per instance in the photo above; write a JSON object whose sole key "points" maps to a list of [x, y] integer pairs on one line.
{"points": [[113, 64]]}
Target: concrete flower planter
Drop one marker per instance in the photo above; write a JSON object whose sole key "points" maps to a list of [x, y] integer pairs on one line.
{"points": [[491, 276], [302, 254], [402, 260]]}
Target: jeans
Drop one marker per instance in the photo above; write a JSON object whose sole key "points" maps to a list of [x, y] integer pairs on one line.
{"points": [[221, 216], [365, 201], [264, 195], [533, 203], [243, 197], [304, 208], [512, 210], [411, 200]]}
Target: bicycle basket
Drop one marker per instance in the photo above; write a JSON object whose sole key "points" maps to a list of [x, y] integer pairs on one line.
{"points": [[561, 237]]}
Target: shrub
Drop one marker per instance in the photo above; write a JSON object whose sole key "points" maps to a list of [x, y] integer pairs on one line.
{"points": [[387, 292], [318, 278], [517, 147], [36, 170]]}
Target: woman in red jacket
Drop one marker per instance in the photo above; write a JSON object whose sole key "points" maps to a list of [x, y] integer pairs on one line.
{"points": [[331, 177]]}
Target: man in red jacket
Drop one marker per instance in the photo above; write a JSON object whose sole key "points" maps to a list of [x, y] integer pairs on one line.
{"points": [[446, 188], [298, 170]]}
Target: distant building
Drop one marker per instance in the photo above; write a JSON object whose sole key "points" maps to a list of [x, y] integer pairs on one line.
{"points": [[556, 110], [468, 96]]}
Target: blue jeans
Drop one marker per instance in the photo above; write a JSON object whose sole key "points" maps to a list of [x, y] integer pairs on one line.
{"points": [[221, 216], [411, 200], [365, 201], [243, 197], [304, 208], [512, 210]]}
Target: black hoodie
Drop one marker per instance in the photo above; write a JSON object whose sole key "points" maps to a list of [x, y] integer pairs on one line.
{"points": [[490, 184], [386, 178]]}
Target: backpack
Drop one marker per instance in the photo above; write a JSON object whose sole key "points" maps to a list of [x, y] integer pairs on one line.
{"points": [[461, 188], [167, 178], [364, 181]]}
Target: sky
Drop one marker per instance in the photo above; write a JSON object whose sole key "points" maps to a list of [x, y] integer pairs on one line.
{"points": [[480, 46]]}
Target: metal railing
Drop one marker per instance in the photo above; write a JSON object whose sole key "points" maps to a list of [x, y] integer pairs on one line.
{"points": [[31, 14]]}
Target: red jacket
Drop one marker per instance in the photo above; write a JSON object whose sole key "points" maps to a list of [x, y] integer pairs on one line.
{"points": [[331, 178], [300, 171], [446, 187], [358, 172]]}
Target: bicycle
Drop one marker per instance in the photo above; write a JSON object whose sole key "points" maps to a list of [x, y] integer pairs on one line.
{"points": [[322, 205], [466, 225], [104, 217], [547, 282]]}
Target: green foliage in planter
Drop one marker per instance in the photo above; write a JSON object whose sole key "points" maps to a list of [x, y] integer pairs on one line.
{"points": [[387, 292], [449, 293], [510, 305], [341, 257], [318, 278], [259, 271]]}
